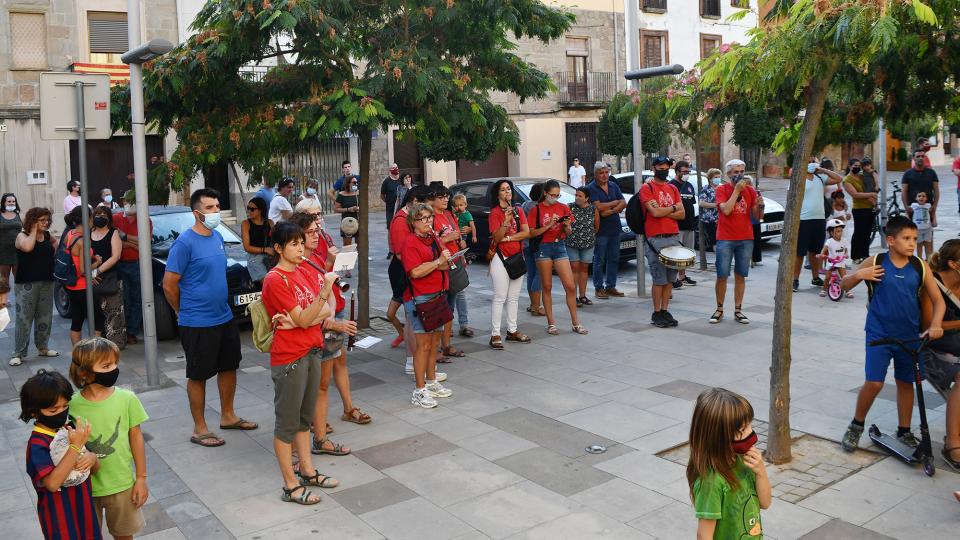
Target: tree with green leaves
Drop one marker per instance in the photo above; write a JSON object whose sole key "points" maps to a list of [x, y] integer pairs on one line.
{"points": [[427, 66], [615, 129]]}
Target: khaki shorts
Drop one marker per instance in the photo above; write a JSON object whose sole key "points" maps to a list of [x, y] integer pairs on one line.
{"points": [[123, 517]]}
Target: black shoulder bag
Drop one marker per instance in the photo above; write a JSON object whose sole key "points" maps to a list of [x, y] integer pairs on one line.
{"points": [[515, 265]]}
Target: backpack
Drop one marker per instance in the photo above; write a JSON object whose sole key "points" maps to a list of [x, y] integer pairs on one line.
{"points": [[64, 270], [262, 333], [914, 261], [635, 214]]}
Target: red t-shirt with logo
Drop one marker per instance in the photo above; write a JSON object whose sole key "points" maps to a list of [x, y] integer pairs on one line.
{"points": [[546, 213], [737, 225], [665, 195], [443, 223], [283, 291], [399, 231], [129, 228], [416, 251], [497, 217]]}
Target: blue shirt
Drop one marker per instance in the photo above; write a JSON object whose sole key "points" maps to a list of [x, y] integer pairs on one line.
{"points": [[202, 265], [894, 310], [266, 193], [609, 225]]}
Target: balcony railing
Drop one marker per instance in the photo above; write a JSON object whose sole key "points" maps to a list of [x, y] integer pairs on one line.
{"points": [[592, 89]]}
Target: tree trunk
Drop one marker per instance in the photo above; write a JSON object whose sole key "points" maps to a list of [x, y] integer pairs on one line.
{"points": [[778, 443], [363, 235], [700, 229]]}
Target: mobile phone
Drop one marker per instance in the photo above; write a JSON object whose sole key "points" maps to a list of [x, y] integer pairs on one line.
{"points": [[564, 218]]}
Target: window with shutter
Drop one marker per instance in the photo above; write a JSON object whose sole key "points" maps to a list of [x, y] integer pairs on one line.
{"points": [[708, 44], [710, 8], [654, 48], [108, 32], [28, 41]]}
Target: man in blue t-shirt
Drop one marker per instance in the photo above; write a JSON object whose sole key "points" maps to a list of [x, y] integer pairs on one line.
{"points": [[266, 193], [608, 199], [342, 181], [195, 286]]}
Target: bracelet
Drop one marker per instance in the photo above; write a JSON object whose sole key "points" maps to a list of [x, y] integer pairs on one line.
{"points": [[76, 448]]}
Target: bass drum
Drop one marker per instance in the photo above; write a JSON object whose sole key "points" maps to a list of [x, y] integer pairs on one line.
{"points": [[677, 257]]}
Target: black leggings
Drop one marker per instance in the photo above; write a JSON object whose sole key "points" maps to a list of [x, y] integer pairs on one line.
{"points": [[757, 244], [862, 225], [78, 311]]}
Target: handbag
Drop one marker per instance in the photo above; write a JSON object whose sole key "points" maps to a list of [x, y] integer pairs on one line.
{"points": [[515, 264], [108, 286], [459, 278], [433, 313]]}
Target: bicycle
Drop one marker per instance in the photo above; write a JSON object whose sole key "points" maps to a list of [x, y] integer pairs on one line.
{"points": [[893, 209]]}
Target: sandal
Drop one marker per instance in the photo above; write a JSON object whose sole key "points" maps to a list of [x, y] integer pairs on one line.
{"points": [[241, 424], [306, 498], [356, 416], [466, 332], [717, 315], [586, 301], [740, 317], [552, 330], [495, 343], [823, 294], [946, 451], [849, 294], [579, 329], [536, 312], [518, 337], [452, 351], [318, 480], [337, 450], [203, 437]]}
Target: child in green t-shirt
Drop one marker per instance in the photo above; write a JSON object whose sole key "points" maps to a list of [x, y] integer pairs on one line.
{"points": [[464, 218], [116, 415], [726, 474]]}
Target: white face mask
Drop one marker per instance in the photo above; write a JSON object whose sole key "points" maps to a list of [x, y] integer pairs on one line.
{"points": [[11, 208], [311, 191], [353, 187]]}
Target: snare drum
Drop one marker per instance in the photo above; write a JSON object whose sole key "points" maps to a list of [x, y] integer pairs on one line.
{"points": [[677, 257]]}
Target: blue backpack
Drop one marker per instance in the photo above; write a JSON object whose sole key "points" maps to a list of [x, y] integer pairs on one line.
{"points": [[63, 269]]}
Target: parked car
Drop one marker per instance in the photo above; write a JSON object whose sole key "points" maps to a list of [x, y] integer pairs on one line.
{"points": [[168, 223], [477, 193], [770, 228]]}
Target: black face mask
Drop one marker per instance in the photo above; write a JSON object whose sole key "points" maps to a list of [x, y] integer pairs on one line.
{"points": [[855, 170], [661, 174], [107, 378], [100, 221], [53, 422]]}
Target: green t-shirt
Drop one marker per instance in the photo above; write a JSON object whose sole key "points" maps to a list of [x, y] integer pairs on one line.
{"points": [[737, 512], [111, 421], [464, 219]]}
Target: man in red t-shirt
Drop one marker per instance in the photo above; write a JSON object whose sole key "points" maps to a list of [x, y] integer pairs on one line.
{"points": [[662, 209], [736, 201], [129, 264]]}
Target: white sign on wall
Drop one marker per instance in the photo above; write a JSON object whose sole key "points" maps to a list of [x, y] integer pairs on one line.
{"points": [[58, 105]]}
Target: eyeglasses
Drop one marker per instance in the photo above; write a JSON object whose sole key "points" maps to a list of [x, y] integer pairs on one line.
{"points": [[425, 219], [312, 232]]}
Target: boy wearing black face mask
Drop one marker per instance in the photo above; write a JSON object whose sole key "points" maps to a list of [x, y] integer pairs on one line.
{"points": [[116, 415], [59, 467]]}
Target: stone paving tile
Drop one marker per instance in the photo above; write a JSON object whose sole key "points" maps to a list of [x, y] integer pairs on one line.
{"points": [[857, 499], [360, 380], [512, 509], [889, 393], [335, 523], [935, 516], [673, 521], [681, 389], [350, 470], [621, 500], [644, 470], [156, 518], [387, 431], [553, 471], [703, 327], [785, 520], [451, 477], [172, 533], [457, 428], [184, 507], [837, 529], [662, 440], [373, 495], [266, 509], [582, 525], [547, 432], [205, 528], [584, 382], [404, 450], [618, 422], [416, 519], [495, 444]]}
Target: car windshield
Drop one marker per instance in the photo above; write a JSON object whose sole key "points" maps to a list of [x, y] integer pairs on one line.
{"points": [[167, 227], [567, 193]]}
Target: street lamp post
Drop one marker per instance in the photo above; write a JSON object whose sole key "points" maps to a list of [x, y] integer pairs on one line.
{"points": [[135, 57]]}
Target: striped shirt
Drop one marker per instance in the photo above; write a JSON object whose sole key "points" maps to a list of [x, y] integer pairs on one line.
{"points": [[67, 512]]}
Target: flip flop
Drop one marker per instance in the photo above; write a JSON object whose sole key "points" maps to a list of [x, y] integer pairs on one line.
{"points": [[241, 424], [199, 440], [453, 352]]}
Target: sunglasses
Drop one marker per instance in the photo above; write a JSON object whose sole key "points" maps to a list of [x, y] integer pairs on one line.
{"points": [[252, 209]]}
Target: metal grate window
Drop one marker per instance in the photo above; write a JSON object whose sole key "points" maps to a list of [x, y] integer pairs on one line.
{"points": [[108, 32], [28, 41]]}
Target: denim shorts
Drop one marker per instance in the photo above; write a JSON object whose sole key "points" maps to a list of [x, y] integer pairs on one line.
{"points": [[736, 251], [584, 255], [410, 309], [878, 361], [552, 251]]}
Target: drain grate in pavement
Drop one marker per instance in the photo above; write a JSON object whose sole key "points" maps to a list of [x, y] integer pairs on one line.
{"points": [[817, 464]]}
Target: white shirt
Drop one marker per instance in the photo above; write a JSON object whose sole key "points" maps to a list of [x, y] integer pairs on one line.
{"points": [[837, 250], [277, 205], [576, 175], [71, 202]]}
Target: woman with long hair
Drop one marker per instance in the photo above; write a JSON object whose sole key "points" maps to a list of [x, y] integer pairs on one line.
{"points": [[533, 278], [255, 230], [33, 285], [448, 232], [106, 243], [508, 229], [552, 224], [862, 187], [10, 226], [82, 255]]}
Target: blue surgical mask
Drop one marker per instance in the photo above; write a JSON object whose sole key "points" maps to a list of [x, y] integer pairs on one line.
{"points": [[211, 220], [812, 168], [311, 191], [108, 199]]}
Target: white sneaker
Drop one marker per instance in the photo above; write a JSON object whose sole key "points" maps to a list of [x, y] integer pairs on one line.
{"points": [[422, 398], [408, 367], [435, 389], [16, 361], [441, 376]]}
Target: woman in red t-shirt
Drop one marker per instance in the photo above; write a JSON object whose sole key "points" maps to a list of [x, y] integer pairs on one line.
{"points": [[508, 229], [298, 304], [445, 225], [426, 263], [554, 220]]}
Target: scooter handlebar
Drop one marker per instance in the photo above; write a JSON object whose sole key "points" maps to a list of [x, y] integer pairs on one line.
{"points": [[901, 342]]}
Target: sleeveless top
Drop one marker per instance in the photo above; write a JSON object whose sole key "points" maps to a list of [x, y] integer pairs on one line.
{"points": [[9, 229], [259, 234], [36, 265], [103, 248], [894, 310], [582, 235], [70, 238]]}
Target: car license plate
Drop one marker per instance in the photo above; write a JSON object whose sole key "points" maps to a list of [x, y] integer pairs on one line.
{"points": [[244, 299], [628, 244], [770, 227]]}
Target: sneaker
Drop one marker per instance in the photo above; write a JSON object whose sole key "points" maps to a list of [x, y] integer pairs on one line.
{"points": [[601, 293], [816, 282], [669, 318], [408, 367], [758, 263], [435, 390], [441, 376], [677, 284], [16, 361], [908, 439], [796, 285], [659, 320], [688, 281], [851, 439], [612, 291], [422, 398]]}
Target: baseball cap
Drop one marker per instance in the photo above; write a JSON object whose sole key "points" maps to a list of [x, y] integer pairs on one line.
{"points": [[659, 160]]}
